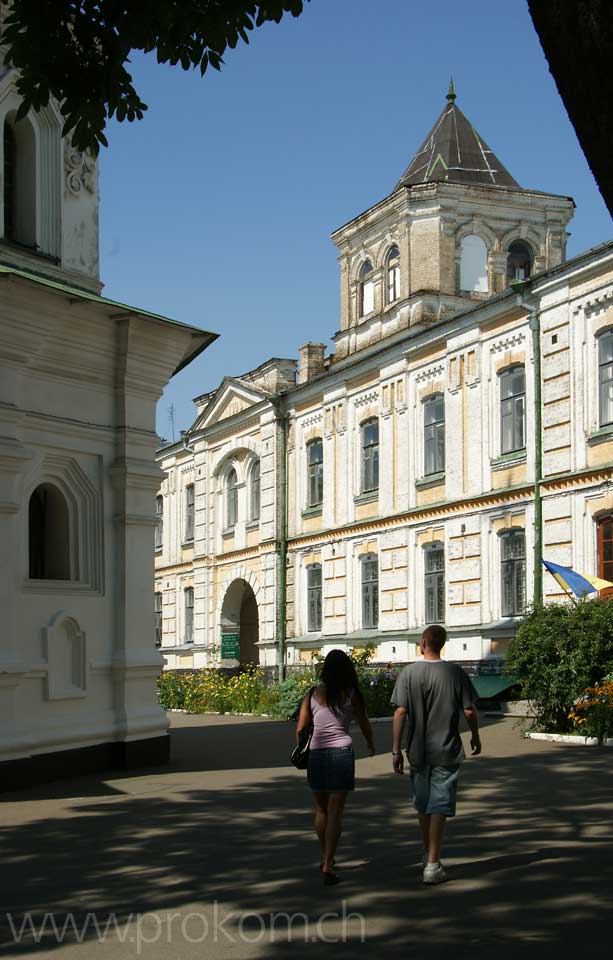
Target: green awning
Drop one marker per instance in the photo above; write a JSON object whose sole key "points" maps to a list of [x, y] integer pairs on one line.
{"points": [[490, 685]]}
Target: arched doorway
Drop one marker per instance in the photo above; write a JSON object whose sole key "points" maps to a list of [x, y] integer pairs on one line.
{"points": [[239, 620]]}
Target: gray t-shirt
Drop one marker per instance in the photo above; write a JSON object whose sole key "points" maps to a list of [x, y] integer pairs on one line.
{"points": [[434, 693]]}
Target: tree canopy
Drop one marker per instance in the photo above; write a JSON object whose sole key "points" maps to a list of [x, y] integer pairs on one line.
{"points": [[77, 50]]}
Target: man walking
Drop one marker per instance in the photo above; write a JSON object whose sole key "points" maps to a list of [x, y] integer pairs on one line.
{"points": [[433, 694]]}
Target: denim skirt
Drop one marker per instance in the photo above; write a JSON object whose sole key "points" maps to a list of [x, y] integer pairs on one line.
{"points": [[331, 769]]}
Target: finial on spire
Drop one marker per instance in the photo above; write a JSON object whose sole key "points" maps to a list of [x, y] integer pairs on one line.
{"points": [[451, 91]]}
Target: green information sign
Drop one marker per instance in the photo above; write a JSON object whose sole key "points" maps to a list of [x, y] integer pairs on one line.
{"points": [[230, 646]]}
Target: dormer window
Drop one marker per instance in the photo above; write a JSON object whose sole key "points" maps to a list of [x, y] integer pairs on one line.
{"points": [[367, 289], [519, 261], [393, 274]]}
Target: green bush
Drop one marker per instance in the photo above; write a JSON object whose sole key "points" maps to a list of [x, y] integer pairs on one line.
{"points": [[211, 690], [558, 651]]}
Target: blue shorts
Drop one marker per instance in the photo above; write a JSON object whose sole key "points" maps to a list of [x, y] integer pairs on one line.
{"points": [[434, 789], [331, 769]]}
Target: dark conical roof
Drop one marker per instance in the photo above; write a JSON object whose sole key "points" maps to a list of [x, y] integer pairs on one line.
{"points": [[455, 152]]}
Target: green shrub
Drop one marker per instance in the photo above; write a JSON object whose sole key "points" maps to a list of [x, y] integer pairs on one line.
{"points": [[558, 651]]}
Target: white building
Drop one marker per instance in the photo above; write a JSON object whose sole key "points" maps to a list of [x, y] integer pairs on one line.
{"points": [[79, 379], [407, 477]]}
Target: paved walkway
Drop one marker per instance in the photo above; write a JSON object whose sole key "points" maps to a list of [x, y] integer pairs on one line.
{"points": [[191, 860]]}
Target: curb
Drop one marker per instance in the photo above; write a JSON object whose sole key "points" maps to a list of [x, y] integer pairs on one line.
{"points": [[568, 738]]}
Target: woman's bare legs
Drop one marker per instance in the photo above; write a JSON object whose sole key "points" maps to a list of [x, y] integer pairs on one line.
{"points": [[336, 804], [321, 819]]}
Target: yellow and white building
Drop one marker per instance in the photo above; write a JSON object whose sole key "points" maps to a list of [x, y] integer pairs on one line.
{"points": [[462, 427]]}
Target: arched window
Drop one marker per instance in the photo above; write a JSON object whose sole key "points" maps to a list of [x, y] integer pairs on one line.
{"points": [[159, 522], [473, 265], [367, 289], [190, 506], [519, 261], [254, 492], [370, 592], [314, 598], [605, 379], [157, 608], [512, 410], [231, 499], [393, 274], [370, 456], [188, 595], [513, 572], [605, 552], [49, 534], [19, 181], [315, 472], [434, 564], [434, 435]]}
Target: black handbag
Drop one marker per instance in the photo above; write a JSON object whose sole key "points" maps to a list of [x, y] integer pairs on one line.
{"points": [[300, 753]]}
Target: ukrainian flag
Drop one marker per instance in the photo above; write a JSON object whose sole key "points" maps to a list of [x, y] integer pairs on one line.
{"points": [[577, 583]]}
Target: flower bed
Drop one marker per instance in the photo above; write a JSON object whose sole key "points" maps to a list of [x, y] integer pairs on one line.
{"points": [[212, 691]]}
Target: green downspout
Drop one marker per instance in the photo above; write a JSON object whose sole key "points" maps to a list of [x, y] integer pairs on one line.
{"points": [[523, 289], [281, 524], [535, 326]]}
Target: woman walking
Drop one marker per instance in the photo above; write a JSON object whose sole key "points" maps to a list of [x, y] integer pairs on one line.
{"points": [[330, 707]]}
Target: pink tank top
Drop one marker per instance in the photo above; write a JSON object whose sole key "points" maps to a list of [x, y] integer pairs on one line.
{"points": [[329, 728]]}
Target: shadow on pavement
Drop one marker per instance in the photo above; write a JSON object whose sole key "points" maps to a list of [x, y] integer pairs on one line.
{"points": [[530, 856]]}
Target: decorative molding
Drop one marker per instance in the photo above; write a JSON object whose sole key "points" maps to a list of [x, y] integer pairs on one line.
{"points": [[430, 373], [508, 343], [79, 170], [366, 398]]}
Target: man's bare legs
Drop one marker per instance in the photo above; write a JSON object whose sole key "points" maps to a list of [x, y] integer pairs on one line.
{"points": [[432, 827]]}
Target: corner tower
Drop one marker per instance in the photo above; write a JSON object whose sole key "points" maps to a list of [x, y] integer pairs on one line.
{"points": [[456, 228]]}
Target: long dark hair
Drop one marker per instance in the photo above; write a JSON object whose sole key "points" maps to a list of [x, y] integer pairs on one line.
{"points": [[338, 676]]}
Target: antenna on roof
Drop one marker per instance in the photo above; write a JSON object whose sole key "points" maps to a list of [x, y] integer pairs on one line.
{"points": [[171, 417], [451, 91]]}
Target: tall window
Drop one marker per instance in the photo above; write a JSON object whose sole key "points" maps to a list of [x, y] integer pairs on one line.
{"points": [[393, 274], [605, 378], [519, 261], [254, 492], [48, 534], [315, 476], [188, 595], [367, 289], [473, 265], [435, 584], [513, 569], [19, 170], [231, 499], [9, 182], [314, 598], [605, 553], [370, 456], [512, 410], [157, 607], [434, 435], [159, 524], [370, 593], [189, 511]]}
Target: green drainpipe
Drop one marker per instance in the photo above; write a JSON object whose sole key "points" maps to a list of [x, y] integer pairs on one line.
{"points": [[535, 326], [281, 614], [523, 289]]}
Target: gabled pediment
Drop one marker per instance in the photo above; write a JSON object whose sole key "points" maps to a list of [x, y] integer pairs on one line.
{"points": [[231, 398]]}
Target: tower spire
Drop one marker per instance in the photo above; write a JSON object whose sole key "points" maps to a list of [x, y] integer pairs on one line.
{"points": [[451, 91]]}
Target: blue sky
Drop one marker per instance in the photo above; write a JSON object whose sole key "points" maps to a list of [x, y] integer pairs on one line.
{"points": [[217, 208]]}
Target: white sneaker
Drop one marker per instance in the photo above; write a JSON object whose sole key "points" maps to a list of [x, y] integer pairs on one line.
{"points": [[434, 873]]}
